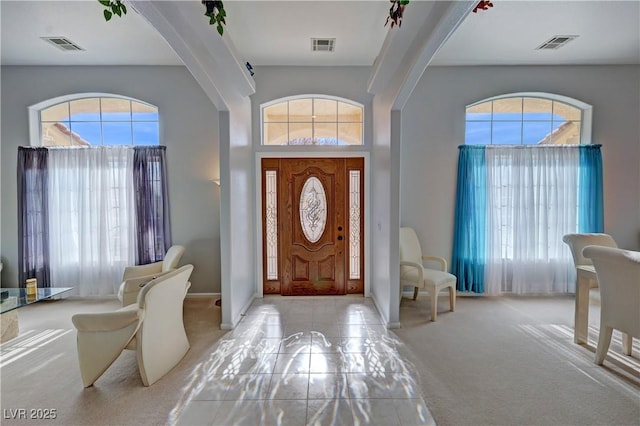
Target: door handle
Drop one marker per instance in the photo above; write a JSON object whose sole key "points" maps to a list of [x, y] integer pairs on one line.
{"points": [[339, 237]]}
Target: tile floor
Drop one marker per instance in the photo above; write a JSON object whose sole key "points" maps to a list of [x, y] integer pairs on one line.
{"points": [[318, 361]]}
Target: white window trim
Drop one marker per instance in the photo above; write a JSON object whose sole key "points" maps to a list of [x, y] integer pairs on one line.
{"points": [[587, 110], [35, 138], [309, 96]]}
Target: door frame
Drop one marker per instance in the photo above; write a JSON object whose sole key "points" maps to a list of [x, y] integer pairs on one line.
{"points": [[259, 291]]}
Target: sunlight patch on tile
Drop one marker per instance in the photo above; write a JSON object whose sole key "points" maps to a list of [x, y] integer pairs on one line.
{"points": [[278, 367]]}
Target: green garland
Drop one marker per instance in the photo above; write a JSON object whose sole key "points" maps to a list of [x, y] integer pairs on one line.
{"points": [[216, 13]]}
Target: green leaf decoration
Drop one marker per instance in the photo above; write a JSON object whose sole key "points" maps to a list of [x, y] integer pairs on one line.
{"points": [[217, 14]]}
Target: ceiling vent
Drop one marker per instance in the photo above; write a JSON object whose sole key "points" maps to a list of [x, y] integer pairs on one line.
{"points": [[62, 43], [556, 42], [323, 44]]}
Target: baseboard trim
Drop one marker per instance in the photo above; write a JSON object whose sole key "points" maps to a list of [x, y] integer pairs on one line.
{"points": [[245, 308], [200, 295]]}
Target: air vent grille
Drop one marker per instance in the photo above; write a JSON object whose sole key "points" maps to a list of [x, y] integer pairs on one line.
{"points": [[323, 44], [556, 42], [62, 43]]}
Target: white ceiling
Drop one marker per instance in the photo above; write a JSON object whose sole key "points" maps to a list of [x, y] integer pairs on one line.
{"points": [[278, 33], [122, 41], [508, 34]]}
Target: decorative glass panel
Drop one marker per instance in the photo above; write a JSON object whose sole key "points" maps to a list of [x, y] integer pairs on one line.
{"points": [[271, 224], [145, 133], [325, 134], [312, 121], [100, 121], [523, 120], [479, 112], [313, 209], [58, 112], [55, 134], [88, 131], [509, 109], [349, 113], [116, 133], [276, 113], [276, 133], [87, 109], [114, 109], [354, 224], [536, 109], [564, 111], [300, 111], [143, 112], [300, 134], [325, 110], [350, 133]]}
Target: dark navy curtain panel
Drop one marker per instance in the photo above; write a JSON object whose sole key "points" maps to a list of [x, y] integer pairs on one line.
{"points": [[33, 217], [153, 227]]}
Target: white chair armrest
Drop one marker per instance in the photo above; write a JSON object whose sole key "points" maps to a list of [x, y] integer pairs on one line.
{"points": [[142, 270], [135, 284], [418, 266], [441, 260], [108, 321], [130, 288]]}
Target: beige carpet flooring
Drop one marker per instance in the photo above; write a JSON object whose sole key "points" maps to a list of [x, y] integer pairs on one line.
{"points": [[495, 361]]}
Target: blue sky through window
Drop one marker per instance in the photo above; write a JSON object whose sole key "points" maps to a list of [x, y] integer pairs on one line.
{"points": [[510, 128], [117, 128], [127, 122]]}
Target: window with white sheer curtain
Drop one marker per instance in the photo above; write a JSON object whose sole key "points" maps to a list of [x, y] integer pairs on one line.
{"points": [[92, 202], [532, 202], [91, 217], [516, 200]]}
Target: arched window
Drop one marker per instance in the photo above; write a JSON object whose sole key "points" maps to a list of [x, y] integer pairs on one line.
{"points": [[528, 119], [312, 120], [94, 119]]}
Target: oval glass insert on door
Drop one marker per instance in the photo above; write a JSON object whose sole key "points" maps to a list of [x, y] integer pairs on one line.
{"points": [[313, 209]]}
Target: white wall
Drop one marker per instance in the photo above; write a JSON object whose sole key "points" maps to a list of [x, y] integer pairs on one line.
{"points": [[189, 129], [433, 127]]}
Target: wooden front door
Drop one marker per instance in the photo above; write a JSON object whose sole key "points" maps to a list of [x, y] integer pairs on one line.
{"points": [[319, 244]]}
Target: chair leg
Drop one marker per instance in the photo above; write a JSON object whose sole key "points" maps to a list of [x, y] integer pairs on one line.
{"points": [[433, 295], [452, 298], [627, 342], [604, 340], [415, 292], [581, 314]]}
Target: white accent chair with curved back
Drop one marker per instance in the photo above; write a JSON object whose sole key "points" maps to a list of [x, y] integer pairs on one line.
{"points": [[586, 278], [619, 278], [153, 327], [413, 273], [135, 277]]}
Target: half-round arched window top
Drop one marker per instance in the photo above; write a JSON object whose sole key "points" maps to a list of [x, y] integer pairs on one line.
{"points": [[528, 119], [312, 120], [94, 119]]}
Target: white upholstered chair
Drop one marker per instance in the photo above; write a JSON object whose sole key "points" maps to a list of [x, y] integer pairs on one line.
{"points": [[413, 273], [135, 277], [586, 277], [153, 327], [619, 278]]}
